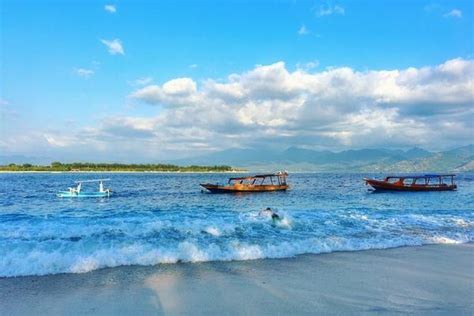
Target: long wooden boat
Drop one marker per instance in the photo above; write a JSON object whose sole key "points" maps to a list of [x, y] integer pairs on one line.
{"points": [[428, 182], [257, 183]]}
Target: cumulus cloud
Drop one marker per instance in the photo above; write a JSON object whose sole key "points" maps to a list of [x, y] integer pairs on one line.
{"points": [[82, 72], [114, 46], [110, 8], [337, 106], [454, 13], [180, 91], [271, 105]]}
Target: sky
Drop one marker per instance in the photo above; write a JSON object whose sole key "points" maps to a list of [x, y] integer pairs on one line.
{"points": [[145, 81]]}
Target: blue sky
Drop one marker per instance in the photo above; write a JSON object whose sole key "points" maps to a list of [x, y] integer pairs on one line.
{"points": [[60, 82]]}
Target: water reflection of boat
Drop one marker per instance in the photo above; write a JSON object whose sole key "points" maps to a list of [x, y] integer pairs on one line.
{"points": [[77, 191], [257, 183], [429, 182]]}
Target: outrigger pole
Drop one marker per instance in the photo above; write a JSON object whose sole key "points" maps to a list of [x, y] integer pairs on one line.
{"points": [[95, 180]]}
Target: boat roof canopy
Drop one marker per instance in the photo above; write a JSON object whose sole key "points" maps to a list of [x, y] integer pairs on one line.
{"points": [[423, 176], [94, 180], [260, 176]]}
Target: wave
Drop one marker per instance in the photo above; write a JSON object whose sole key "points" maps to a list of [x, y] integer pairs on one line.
{"points": [[38, 245], [66, 259]]}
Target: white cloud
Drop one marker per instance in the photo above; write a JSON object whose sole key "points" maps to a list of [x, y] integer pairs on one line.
{"points": [[454, 13], [110, 8], [114, 46], [334, 107], [82, 72], [193, 66], [303, 30], [329, 9], [60, 140], [445, 83], [269, 105], [180, 86], [179, 91]]}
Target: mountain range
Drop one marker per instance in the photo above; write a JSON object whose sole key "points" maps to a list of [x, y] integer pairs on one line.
{"points": [[300, 159], [363, 160]]}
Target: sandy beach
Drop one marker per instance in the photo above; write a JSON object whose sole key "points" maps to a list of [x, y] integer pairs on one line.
{"points": [[436, 279]]}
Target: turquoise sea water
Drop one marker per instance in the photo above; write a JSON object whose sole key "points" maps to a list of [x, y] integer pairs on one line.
{"points": [[165, 218]]}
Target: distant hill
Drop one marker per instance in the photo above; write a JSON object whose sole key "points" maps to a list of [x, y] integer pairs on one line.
{"points": [[459, 159], [416, 153], [362, 160]]}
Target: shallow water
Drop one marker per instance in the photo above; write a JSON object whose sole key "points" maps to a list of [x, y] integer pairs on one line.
{"points": [[156, 218]]}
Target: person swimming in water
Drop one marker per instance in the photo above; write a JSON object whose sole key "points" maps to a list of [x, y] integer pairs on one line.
{"points": [[266, 212], [269, 212]]}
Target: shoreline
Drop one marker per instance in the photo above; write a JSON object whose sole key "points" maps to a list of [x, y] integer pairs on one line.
{"points": [[421, 279]]}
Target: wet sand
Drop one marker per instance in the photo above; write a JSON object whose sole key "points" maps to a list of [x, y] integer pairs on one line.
{"points": [[437, 279]]}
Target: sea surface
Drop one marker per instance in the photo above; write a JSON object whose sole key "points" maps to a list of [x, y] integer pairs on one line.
{"points": [[165, 218]]}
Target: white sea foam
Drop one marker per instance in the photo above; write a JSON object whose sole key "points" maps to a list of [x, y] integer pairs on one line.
{"points": [[284, 222], [66, 258], [213, 231], [463, 223], [47, 246], [447, 240]]}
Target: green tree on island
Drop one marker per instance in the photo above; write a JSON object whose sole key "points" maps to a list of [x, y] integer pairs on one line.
{"points": [[86, 166]]}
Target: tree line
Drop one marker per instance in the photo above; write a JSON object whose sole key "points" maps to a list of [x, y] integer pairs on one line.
{"points": [[86, 166]]}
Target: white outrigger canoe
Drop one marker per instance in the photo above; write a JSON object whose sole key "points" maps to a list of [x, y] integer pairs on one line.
{"points": [[77, 191]]}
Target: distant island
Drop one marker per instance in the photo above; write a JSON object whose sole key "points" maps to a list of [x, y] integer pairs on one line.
{"points": [[113, 167]]}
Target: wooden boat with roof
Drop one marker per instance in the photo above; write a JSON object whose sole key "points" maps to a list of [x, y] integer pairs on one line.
{"points": [[428, 182], [257, 183]]}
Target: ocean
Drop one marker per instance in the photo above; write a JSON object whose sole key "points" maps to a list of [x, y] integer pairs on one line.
{"points": [[156, 218]]}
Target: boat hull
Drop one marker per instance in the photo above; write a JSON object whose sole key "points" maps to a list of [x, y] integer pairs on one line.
{"points": [[386, 186], [83, 195], [237, 188]]}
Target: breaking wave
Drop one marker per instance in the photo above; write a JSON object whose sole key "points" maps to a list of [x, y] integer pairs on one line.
{"points": [[43, 247]]}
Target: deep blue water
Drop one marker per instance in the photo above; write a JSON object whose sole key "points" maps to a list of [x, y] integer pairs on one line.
{"points": [[156, 218]]}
